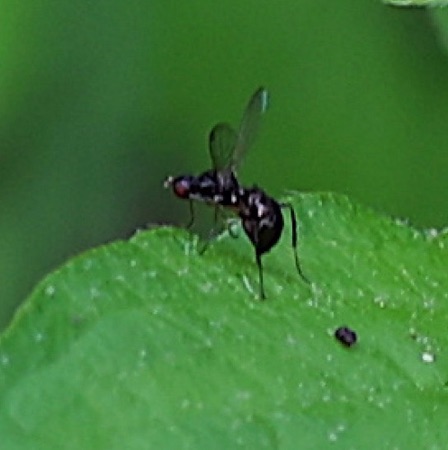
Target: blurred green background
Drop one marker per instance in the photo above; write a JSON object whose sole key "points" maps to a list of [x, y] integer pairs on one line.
{"points": [[101, 100]]}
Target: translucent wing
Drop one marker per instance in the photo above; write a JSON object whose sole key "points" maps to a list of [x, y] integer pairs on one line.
{"points": [[250, 123], [222, 142]]}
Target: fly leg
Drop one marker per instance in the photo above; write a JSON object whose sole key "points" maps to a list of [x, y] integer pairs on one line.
{"points": [[294, 239], [252, 225], [214, 232], [260, 274], [191, 221]]}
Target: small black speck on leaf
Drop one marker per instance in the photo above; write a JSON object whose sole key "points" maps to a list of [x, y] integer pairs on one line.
{"points": [[345, 336]]}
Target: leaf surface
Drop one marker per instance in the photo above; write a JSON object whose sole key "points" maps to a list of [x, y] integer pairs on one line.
{"points": [[146, 344]]}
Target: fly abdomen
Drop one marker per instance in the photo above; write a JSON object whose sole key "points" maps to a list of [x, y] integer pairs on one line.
{"points": [[262, 219]]}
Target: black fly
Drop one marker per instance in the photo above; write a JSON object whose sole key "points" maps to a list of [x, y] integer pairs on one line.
{"points": [[260, 214]]}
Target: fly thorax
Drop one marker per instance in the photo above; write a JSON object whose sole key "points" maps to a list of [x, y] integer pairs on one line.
{"points": [[204, 187]]}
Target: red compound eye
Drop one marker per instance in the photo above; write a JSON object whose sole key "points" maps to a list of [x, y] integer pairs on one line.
{"points": [[181, 187]]}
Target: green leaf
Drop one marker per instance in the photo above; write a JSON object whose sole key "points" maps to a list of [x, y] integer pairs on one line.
{"points": [[145, 344], [417, 3]]}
